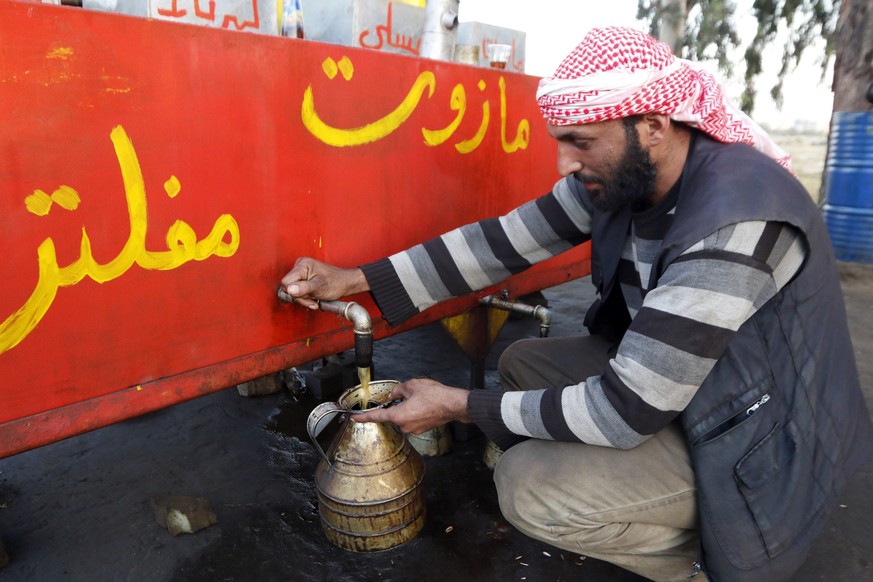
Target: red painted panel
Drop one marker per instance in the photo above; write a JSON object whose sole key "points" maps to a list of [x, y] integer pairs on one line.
{"points": [[157, 179]]}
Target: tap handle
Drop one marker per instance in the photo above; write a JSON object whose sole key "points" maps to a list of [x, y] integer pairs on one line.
{"points": [[338, 307]]}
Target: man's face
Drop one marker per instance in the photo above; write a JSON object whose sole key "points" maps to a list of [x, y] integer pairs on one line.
{"points": [[608, 159]]}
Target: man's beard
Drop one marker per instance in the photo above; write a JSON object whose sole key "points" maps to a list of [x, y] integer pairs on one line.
{"points": [[631, 179]]}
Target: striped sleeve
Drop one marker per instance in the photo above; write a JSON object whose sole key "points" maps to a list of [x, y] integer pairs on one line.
{"points": [[480, 254], [683, 327]]}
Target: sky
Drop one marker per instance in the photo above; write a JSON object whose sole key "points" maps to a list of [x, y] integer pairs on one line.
{"points": [[553, 27]]}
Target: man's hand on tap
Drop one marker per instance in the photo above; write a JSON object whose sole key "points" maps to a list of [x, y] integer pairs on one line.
{"points": [[310, 280], [425, 404]]}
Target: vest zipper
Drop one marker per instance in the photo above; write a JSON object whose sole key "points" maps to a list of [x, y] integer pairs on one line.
{"points": [[733, 421], [754, 408]]}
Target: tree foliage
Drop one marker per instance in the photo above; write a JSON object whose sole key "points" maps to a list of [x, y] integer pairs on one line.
{"points": [[711, 33]]}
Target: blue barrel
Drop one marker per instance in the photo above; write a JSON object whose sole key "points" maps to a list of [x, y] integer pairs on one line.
{"points": [[848, 211]]}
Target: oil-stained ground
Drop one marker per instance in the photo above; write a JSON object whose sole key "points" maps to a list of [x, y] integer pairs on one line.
{"points": [[79, 509]]}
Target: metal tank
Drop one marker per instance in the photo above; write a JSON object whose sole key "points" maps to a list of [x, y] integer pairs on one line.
{"points": [[159, 178]]}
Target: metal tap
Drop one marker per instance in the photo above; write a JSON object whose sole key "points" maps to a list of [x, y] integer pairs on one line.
{"points": [[536, 311], [362, 325]]}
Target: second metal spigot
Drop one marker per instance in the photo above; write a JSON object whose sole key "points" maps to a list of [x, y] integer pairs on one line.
{"points": [[538, 312]]}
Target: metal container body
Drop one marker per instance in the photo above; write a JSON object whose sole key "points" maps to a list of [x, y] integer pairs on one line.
{"points": [[849, 186], [383, 25], [260, 16], [432, 443], [128, 7], [374, 527], [481, 35], [370, 483], [491, 455]]}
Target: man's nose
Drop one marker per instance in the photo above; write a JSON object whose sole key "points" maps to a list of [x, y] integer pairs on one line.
{"points": [[568, 163]]}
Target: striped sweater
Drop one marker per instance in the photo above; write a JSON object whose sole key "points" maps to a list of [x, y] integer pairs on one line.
{"points": [[679, 328]]}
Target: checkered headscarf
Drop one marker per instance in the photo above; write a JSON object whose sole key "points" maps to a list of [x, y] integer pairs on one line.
{"points": [[617, 72]]}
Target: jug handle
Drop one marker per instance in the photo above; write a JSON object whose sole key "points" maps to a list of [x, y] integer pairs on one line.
{"points": [[318, 419]]}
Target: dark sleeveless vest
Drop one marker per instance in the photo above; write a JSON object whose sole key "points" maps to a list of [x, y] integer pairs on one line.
{"points": [[780, 423]]}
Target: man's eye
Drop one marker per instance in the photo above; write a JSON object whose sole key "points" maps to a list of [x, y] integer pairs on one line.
{"points": [[582, 145]]}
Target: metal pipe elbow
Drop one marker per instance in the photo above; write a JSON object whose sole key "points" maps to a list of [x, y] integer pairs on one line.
{"points": [[361, 322], [544, 316], [362, 325], [538, 312], [359, 317], [449, 19]]}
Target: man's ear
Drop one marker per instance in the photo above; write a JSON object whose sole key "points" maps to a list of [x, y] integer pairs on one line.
{"points": [[654, 127]]}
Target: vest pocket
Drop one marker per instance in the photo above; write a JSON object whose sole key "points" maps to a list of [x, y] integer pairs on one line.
{"points": [[756, 489], [772, 477]]}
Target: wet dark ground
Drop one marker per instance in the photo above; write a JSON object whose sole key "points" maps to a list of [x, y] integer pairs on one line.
{"points": [[79, 509]]}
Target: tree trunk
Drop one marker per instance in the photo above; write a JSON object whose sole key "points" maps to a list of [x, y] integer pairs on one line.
{"points": [[853, 67], [672, 25]]}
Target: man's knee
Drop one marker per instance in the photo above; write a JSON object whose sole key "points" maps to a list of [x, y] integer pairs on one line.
{"points": [[519, 495], [533, 505], [559, 492]]}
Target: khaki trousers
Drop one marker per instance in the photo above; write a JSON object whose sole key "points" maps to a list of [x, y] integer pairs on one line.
{"points": [[633, 508]]}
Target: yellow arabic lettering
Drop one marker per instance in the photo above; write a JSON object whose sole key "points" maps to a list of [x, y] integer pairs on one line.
{"points": [[340, 137], [522, 134], [371, 132], [40, 203], [19, 324], [172, 186], [182, 247], [468, 145], [458, 103]]}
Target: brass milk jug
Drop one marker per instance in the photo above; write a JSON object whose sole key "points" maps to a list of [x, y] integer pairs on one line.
{"points": [[369, 483]]}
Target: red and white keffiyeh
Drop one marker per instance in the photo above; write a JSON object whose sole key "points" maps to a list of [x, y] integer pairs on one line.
{"points": [[616, 72]]}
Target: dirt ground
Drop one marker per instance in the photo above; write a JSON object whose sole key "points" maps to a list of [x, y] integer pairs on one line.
{"points": [[808, 155], [79, 510]]}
